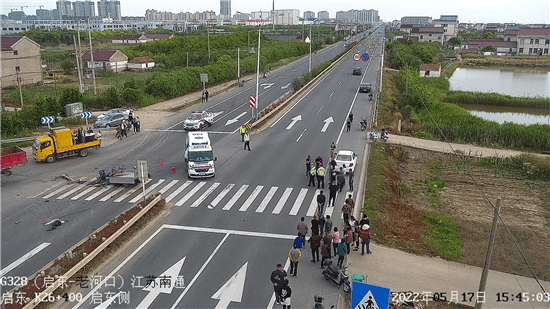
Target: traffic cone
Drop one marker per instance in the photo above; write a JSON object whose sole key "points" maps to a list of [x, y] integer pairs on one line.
{"points": [[160, 161], [173, 168]]}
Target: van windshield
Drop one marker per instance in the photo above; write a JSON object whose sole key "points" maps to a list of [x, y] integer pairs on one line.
{"points": [[35, 144], [200, 156]]}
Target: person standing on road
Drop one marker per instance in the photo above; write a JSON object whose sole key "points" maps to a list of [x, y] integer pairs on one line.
{"points": [[325, 252], [350, 201], [341, 180], [321, 199], [364, 221], [332, 150], [295, 255], [328, 241], [286, 292], [247, 141], [299, 241], [206, 94], [332, 188], [315, 224], [342, 251], [355, 229], [328, 224], [308, 165], [350, 117], [335, 240], [365, 238], [345, 211], [242, 130], [321, 177], [318, 161], [302, 228], [203, 97], [321, 225], [138, 124], [348, 125], [348, 238], [350, 179], [314, 243], [277, 278], [312, 173]]}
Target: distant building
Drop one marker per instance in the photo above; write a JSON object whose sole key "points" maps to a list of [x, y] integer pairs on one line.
{"points": [[309, 14], [141, 63], [20, 58], [84, 9], [225, 8], [129, 39], [430, 70], [450, 25], [108, 60], [158, 36], [64, 9], [429, 34], [533, 41], [359, 16], [417, 21], [323, 15], [241, 16], [282, 17], [109, 8], [17, 15], [502, 47]]}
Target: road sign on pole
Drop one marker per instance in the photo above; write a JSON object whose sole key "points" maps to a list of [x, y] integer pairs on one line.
{"points": [[86, 115], [369, 296], [47, 120], [252, 101], [365, 57], [357, 56], [204, 78]]}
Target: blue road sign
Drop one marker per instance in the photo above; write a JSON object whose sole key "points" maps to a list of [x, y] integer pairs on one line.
{"points": [[46, 120], [85, 115], [366, 296], [365, 57], [312, 19]]}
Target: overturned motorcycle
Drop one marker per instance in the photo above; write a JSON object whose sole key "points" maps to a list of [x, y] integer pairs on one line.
{"points": [[332, 273]]}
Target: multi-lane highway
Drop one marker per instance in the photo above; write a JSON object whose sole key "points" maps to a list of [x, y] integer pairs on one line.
{"points": [[224, 235]]}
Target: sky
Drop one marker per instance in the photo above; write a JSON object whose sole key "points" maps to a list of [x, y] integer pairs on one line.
{"points": [[481, 11]]}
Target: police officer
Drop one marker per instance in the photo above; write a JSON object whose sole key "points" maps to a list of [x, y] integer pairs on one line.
{"points": [[242, 130], [321, 177], [312, 173]]}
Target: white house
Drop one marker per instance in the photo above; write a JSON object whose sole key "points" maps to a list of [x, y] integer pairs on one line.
{"points": [[430, 70], [141, 63]]}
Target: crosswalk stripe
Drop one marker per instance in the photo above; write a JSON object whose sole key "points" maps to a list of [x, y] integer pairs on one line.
{"points": [[298, 202], [73, 190], [205, 194], [111, 194], [220, 196], [79, 195], [190, 193], [266, 199], [98, 193], [235, 197], [147, 191], [282, 201], [178, 190], [328, 211], [313, 205], [251, 198], [125, 195], [58, 190], [168, 186], [48, 190]]}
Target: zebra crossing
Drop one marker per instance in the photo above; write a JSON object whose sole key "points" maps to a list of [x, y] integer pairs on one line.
{"points": [[194, 194]]}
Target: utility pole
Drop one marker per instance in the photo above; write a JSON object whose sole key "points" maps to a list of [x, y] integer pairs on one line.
{"points": [[273, 15], [483, 281], [258, 73], [19, 85], [79, 61], [208, 35], [310, 43], [77, 56], [92, 55], [239, 66]]}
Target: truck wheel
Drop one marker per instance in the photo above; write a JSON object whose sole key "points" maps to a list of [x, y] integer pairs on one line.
{"points": [[83, 152], [50, 159]]}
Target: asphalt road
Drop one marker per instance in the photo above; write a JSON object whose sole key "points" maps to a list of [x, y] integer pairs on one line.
{"points": [[239, 223]]}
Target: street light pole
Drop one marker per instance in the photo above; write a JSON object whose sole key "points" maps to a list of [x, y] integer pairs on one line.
{"points": [[310, 43], [258, 74]]}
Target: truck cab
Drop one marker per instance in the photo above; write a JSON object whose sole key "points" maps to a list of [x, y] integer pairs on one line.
{"points": [[199, 155], [61, 143]]}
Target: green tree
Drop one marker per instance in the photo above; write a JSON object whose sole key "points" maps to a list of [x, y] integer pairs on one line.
{"points": [[112, 97], [70, 95], [454, 41], [67, 66], [489, 48]]}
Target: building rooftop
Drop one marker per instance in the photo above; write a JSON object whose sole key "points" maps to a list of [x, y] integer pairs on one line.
{"points": [[430, 66], [8, 41], [99, 55], [534, 31], [141, 60]]}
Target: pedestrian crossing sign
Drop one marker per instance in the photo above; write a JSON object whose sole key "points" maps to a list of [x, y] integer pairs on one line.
{"points": [[366, 296]]}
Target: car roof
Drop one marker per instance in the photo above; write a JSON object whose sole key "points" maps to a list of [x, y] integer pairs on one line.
{"points": [[345, 152]]}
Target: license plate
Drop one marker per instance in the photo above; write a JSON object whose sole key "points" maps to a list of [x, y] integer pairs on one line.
{"points": [[202, 174]]}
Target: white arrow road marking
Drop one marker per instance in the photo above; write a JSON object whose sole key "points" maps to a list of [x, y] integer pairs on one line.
{"points": [[22, 259], [156, 287], [286, 86], [232, 290], [232, 121], [214, 114], [327, 123], [109, 301], [267, 85], [294, 120]]}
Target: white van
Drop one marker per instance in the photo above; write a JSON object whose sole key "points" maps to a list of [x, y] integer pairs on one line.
{"points": [[199, 156]]}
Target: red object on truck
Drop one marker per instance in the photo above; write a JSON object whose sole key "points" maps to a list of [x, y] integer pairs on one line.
{"points": [[11, 157]]}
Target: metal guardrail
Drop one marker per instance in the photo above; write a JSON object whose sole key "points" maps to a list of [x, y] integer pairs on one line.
{"points": [[15, 140]]}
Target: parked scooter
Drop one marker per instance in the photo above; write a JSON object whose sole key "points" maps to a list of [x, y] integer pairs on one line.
{"points": [[370, 96], [384, 135], [341, 278], [373, 135], [363, 124]]}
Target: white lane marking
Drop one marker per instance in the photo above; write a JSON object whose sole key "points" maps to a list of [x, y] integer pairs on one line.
{"points": [[282, 201], [147, 191], [232, 121], [106, 303], [22, 259], [330, 96], [329, 210], [266, 199], [220, 196], [58, 190], [299, 137], [111, 194], [98, 193], [251, 198], [178, 190], [298, 202], [313, 205], [168, 186], [73, 190], [320, 109], [191, 193], [339, 83], [79, 195], [235, 197], [205, 195], [125, 195], [286, 86]]}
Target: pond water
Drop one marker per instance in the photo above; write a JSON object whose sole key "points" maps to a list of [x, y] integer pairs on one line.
{"points": [[514, 82], [519, 115]]}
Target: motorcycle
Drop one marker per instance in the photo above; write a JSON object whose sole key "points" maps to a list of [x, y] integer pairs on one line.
{"points": [[363, 124], [370, 96], [384, 136], [341, 278], [373, 135]]}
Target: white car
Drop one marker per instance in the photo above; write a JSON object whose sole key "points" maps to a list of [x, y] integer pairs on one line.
{"points": [[346, 158]]}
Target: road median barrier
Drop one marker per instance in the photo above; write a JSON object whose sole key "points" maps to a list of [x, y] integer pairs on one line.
{"points": [[42, 285]]}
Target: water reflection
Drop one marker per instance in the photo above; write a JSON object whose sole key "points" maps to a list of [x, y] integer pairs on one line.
{"points": [[517, 83], [519, 115]]}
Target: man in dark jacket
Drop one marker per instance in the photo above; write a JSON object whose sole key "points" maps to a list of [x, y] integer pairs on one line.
{"points": [[278, 278], [315, 243], [321, 199], [332, 188]]}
